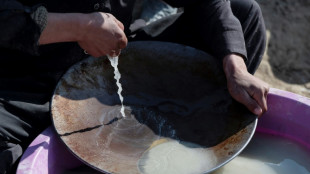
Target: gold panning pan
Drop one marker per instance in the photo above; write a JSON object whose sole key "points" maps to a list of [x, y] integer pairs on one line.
{"points": [[179, 114]]}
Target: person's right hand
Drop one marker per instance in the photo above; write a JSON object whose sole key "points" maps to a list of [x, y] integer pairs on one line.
{"points": [[103, 35], [98, 33]]}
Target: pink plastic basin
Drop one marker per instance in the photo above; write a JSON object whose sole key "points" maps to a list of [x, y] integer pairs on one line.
{"points": [[288, 116]]}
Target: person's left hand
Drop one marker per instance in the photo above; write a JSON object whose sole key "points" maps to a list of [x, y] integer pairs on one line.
{"points": [[243, 86]]}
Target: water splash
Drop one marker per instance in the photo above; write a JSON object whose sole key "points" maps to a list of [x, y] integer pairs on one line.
{"points": [[117, 76]]}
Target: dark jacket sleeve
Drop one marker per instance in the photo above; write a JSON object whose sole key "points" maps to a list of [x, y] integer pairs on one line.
{"points": [[21, 26], [219, 27]]}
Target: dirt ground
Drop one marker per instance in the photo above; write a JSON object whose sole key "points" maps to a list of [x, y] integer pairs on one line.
{"points": [[286, 64]]}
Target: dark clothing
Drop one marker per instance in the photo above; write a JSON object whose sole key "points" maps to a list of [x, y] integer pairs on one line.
{"points": [[217, 41], [224, 24], [29, 73]]}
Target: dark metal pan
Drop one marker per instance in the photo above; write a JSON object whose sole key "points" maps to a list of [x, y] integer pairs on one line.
{"points": [[173, 95]]}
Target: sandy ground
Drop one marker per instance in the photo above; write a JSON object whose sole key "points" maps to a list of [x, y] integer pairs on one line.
{"points": [[286, 64]]}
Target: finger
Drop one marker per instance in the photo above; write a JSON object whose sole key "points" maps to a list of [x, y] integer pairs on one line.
{"points": [[122, 43], [261, 98], [121, 39], [120, 24], [95, 52], [117, 52], [114, 53], [250, 103], [89, 49], [265, 98]]}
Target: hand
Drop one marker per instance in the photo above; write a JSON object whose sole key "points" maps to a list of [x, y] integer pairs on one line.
{"points": [[243, 86], [103, 35], [99, 34]]}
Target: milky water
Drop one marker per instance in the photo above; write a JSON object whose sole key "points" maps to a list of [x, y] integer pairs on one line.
{"points": [[117, 76], [267, 154], [175, 157]]}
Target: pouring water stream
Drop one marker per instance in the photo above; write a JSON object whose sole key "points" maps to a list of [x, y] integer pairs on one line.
{"points": [[117, 76]]}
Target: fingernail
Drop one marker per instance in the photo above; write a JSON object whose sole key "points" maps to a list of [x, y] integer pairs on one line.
{"points": [[258, 111]]}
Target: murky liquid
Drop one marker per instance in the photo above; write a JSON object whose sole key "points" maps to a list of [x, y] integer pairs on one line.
{"points": [[267, 154], [174, 157], [117, 76]]}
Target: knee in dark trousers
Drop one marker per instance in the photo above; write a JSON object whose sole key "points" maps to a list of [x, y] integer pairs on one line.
{"points": [[18, 127], [10, 154], [250, 16]]}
